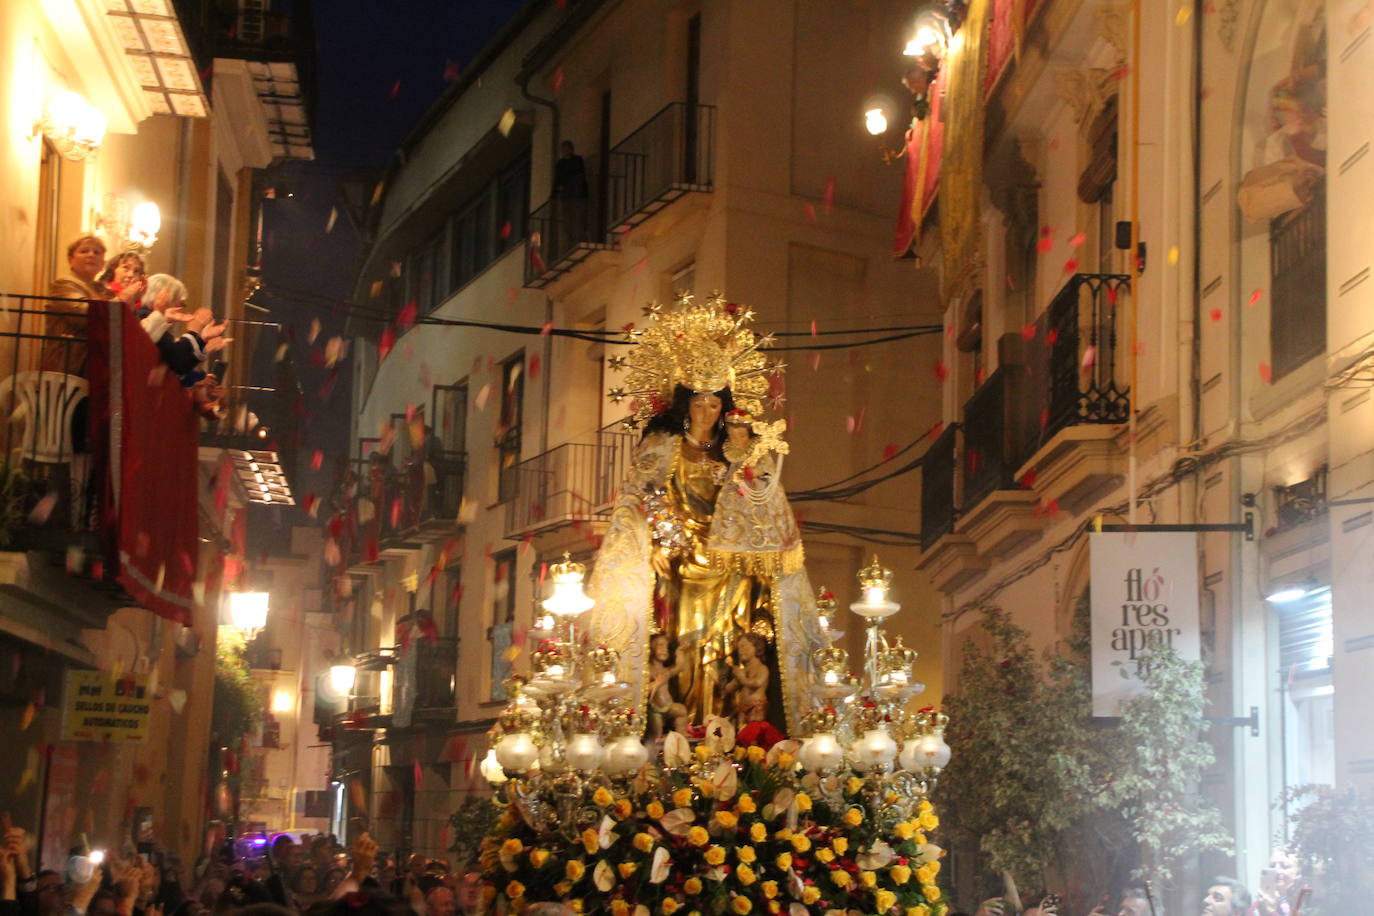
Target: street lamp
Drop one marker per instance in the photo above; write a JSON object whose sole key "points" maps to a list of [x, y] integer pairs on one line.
{"points": [[248, 612], [342, 678], [875, 121], [75, 127]]}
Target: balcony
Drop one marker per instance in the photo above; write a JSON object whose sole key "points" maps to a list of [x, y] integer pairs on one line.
{"points": [[415, 504], [669, 156], [569, 485], [1040, 432], [92, 413]]}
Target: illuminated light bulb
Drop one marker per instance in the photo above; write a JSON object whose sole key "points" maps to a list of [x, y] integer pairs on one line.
{"points": [[625, 755], [516, 752], [342, 678], [875, 749], [875, 121]]}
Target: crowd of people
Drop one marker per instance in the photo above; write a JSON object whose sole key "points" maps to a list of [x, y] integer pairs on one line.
{"points": [[186, 338]]}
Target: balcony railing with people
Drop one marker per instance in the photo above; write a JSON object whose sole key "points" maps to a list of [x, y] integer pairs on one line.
{"points": [[670, 155], [100, 454], [390, 505], [570, 483], [1061, 371]]}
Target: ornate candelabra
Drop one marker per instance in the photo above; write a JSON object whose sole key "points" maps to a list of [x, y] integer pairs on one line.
{"points": [[549, 750], [861, 728]]}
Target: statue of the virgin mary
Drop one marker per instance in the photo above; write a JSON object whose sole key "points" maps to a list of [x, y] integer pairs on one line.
{"points": [[699, 581]]}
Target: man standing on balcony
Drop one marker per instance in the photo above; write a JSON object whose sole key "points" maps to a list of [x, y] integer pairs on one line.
{"points": [[571, 193]]}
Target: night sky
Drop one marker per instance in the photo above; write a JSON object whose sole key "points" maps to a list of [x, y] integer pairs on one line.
{"points": [[381, 65]]}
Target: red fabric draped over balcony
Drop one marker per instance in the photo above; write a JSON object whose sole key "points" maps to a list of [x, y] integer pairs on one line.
{"points": [[145, 451], [925, 142]]}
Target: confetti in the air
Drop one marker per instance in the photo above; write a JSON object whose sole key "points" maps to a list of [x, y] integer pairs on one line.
{"points": [[1077, 240], [1216, 314], [1266, 373], [941, 371], [1255, 297]]}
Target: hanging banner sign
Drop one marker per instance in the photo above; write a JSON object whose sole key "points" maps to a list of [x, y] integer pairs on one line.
{"points": [[101, 707], [1144, 594]]}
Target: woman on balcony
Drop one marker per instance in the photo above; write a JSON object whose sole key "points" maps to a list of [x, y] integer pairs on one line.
{"points": [[65, 348]]}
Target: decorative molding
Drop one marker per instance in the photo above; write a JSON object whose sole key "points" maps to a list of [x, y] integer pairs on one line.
{"points": [[1084, 91]]}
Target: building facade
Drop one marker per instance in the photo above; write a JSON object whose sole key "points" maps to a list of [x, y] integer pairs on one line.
{"points": [[1160, 317], [109, 108], [720, 150]]}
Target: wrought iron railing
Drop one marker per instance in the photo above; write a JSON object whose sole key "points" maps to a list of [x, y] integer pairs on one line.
{"points": [[1297, 268], [990, 449], [666, 157], [938, 505], [564, 230], [576, 481], [1079, 331]]}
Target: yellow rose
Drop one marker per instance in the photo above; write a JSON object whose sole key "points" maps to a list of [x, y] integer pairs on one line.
{"points": [[644, 842], [840, 845], [591, 841], [746, 875], [576, 905], [800, 842], [904, 830], [783, 834], [784, 860], [740, 750], [919, 839], [919, 909], [868, 878], [562, 888], [741, 905], [703, 753], [885, 900], [727, 819], [538, 857], [746, 854], [654, 810], [786, 761], [626, 869], [574, 870], [682, 798], [839, 877], [770, 889], [926, 873], [757, 832], [810, 895], [803, 801], [698, 836], [512, 847], [853, 786], [756, 754], [620, 908], [692, 886], [931, 892], [934, 869], [515, 890], [746, 804], [622, 808], [900, 874], [706, 788], [669, 906], [925, 806], [854, 817], [715, 855], [602, 797], [929, 821], [825, 854]]}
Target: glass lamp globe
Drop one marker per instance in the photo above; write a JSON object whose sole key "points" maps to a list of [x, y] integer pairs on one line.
{"points": [[516, 752], [490, 768], [584, 751], [568, 598], [625, 755], [821, 752], [934, 751], [876, 749]]}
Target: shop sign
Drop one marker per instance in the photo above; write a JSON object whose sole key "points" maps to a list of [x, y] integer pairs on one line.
{"points": [[1144, 595], [100, 707]]}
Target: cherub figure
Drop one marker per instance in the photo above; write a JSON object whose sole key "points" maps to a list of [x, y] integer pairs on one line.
{"points": [[664, 667], [748, 682]]}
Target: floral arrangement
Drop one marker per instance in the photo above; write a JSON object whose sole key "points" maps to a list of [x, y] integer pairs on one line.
{"points": [[733, 833]]}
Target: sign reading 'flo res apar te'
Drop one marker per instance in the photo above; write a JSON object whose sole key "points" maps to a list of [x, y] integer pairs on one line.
{"points": [[1144, 595]]}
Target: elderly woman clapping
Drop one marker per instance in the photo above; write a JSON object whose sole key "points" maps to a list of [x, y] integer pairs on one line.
{"points": [[166, 297]]}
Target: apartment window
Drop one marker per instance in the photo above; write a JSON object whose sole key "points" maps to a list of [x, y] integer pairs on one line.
{"points": [[512, 203], [502, 620], [1297, 270], [508, 430]]}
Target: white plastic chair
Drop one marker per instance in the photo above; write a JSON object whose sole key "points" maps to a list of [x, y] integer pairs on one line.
{"points": [[45, 402]]}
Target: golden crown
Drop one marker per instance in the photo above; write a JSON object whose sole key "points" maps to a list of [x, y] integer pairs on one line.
{"points": [[703, 346]]}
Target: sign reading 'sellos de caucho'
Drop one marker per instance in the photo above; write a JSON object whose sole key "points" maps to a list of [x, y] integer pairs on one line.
{"points": [[1144, 594]]}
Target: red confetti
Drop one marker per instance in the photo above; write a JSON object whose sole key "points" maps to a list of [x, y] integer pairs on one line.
{"points": [[395, 90], [979, 376], [1089, 356], [316, 460], [1054, 142], [949, 330], [1044, 245], [890, 451], [813, 328], [1111, 295], [1077, 240], [1138, 347], [451, 71], [829, 194], [534, 365], [1028, 479], [1216, 314], [1255, 297], [1122, 71], [815, 361], [941, 371], [557, 81], [385, 345], [505, 230], [810, 213], [406, 317], [1029, 331], [1052, 336], [1071, 266], [1266, 373]]}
